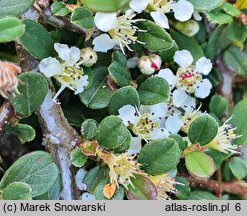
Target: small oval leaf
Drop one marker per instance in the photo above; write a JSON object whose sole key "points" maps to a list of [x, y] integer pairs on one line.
{"points": [[199, 164]]}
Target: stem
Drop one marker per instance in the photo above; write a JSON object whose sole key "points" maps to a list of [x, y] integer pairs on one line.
{"points": [[225, 87], [59, 136], [234, 187]]}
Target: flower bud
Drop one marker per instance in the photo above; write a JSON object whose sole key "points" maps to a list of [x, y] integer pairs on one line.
{"points": [[149, 64], [88, 57]]}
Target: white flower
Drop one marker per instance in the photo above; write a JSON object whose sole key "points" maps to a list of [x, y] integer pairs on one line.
{"points": [[146, 122], [65, 70], [182, 9], [189, 77], [121, 31]]}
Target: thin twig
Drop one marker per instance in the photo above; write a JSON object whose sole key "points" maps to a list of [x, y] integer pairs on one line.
{"points": [[225, 87], [234, 187]]}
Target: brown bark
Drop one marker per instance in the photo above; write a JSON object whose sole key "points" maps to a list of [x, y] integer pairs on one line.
{"points": [[234, 187]]}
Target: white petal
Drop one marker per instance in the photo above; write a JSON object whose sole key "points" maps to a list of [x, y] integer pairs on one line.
{"points": [[173, 124], [128, 115], [156, 111], [160, 18], [135, 145], [159, 133], [103, 43], [105, 21], [50, 67], [182, 99], [87, 197], [168, 75], [202, 89], [79, 179], [203, 66], [81, 84], [69, 55], [138, 5], [183, 10], [183, 58]]}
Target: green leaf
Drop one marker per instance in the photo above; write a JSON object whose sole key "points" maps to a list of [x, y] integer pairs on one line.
{"points": [[124, 96], [53, 192], [94, 176], [154, 90], [119, 57], [89, 128], [236, 60], [98, 193], [218, 105], [218, 157], [11, 28], [77, 158], [203, 130], [183, 189], [74, 115], [14, 7], [104, 6], [236, 32], [112, 133], [156, 38], [202, 195], [37, 40], [32, 93], [37, 169], [201, 5], [216, 38], [97, 96], [167, 55], [188, 43], [218, 16], [83, 18], [159, 156], [143, 189], [230, 9], [238, 167], [181, 143], [25, 132], [119, 73], [17, 191], [239, 116], [59, 9], [199, 164]]}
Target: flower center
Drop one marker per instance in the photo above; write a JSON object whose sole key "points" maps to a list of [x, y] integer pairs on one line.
{"points": [[224, 138], [125, 32], [187, 79], [69, 75], [163, 5], [188, 118], [122, 167], [145, 126]]}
